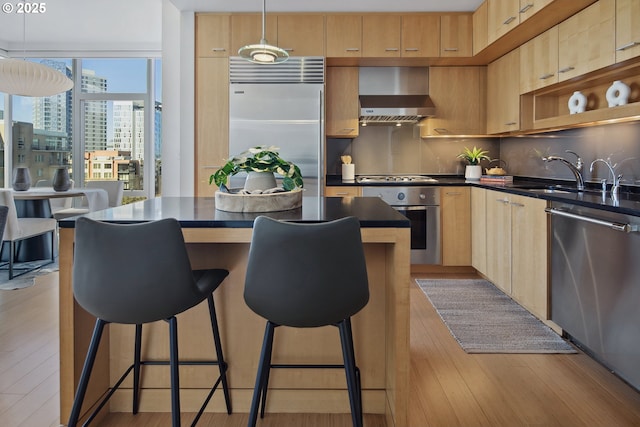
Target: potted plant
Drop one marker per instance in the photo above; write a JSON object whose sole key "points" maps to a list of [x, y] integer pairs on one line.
{"points": [[255, 161], [473, 157]]}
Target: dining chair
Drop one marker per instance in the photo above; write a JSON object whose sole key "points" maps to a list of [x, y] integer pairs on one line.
{"points": [[158, 284], [17, 230], [115, 190], [323, 282], [59, 203]]}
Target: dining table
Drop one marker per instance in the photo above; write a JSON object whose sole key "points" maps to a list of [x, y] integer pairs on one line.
{"points": [[34, 203]]}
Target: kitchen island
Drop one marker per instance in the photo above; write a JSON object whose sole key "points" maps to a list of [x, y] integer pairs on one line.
{"points": [[217, 239]]}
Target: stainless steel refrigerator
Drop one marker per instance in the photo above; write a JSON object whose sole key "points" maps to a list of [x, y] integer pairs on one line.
{"points": [[280, 105]]}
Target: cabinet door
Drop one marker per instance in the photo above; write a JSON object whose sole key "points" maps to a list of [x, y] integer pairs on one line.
{"points": [[627, 29], [480, 28], [479, 229], [456, 35], [499, 240], [528, 8], [539, 61], [503, 93], [342, 102], [344, 36], [212, 120], [381, 36], [247, 29], [212, 35], [586, 41], [460, 96], [301, 35], [455, 220], [420, 36], [529, 253], [343, 191], [503, 16]]}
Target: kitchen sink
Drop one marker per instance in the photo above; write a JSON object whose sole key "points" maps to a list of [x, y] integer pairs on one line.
{"points": [[550, 190]]}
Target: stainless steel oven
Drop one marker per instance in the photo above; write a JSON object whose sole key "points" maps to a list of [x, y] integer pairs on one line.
{"points": [[422, 206]]}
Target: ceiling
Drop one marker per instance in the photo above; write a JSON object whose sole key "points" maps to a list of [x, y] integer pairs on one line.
{"points": [[136, 25]]}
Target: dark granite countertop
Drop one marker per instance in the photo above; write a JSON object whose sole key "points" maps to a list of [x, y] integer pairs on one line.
{"points": [[628, 201], [200, 212]]}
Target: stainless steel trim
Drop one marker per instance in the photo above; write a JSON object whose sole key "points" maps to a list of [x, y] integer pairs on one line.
{"points": [[409, 208], [627, 46], [567, 69], [526, 7], [509, 20], [627, 228], [298, 69]]}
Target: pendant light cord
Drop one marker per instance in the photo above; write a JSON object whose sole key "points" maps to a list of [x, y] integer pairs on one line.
{"points": [[264, 21]]}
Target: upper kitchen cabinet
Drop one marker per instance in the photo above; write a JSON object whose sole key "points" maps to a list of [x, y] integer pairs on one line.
{"points": [[627, 29], [247, 29], [539, 61], [343, 36], [456, 35], [503, 93], [460, 97], [586, 41], [529, 7], [480, 28], [381, 36], [301, 35], [212, 35], [342, 102], [503, 16], [420, 36]]}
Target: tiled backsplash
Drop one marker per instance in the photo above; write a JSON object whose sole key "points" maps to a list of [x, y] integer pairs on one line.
{"points": [[400, 150]]}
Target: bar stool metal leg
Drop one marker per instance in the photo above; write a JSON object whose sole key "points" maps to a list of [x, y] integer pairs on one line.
{"points": [[175, 376]]}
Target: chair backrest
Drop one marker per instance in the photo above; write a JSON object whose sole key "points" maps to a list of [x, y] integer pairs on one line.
{"points": [[4, 213], [115, 189], [12, 227], [306, 275], [43, 183], [134, 273], [59, 202]]}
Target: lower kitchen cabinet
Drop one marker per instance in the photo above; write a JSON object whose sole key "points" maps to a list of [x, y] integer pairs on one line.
{"points": [[455, 220], [517, 249], [343, 191], [479, 229]]}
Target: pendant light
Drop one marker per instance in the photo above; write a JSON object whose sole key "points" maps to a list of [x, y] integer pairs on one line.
{"points": [[263, 53], [26, 78]]}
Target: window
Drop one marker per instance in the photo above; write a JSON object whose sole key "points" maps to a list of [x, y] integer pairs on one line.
{"points": [[103, 122]]}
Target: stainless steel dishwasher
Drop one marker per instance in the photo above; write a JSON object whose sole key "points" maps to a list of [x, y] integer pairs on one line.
{"points": [[595, 284]]}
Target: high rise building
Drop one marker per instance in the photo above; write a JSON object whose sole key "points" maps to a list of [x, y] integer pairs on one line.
{"points": [[95, 112], [53, 113], [128, 128]]}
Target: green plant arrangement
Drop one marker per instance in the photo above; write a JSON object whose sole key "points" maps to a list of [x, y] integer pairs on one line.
{"points": [[474, 156], [259, 159]]}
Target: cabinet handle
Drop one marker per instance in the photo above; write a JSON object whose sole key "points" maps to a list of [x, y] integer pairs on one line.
{"points": [[505, 201], [342, 193], [510, 123], [210, 167], [442, 130], [347, 130], [287, 49], [518, 205], [411, 49], [509, 20], [352, 49], [546, 76], [450, 49], [218, 49], [391, 49], [565, 69], [453, 193], [627, 46], [526, 7]]}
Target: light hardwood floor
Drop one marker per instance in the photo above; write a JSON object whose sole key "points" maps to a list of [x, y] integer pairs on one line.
{"points": [[449, 387]]}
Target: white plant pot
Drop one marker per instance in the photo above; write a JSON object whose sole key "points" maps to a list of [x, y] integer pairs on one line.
{"points": [[473, 172], [260, 181]]}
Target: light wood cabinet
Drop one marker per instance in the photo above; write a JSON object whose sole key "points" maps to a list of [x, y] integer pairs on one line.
{"points": [[480, 28], [301, 35], [503, 94], [212, 35], [586, 41], [247, 29], [627, 29], [517, 240], [455, 221], [503, 16], [528, 8], [381, 36], [460, 97], [342, 102], [479, 229], [539, 61], [456, 35], [212, 120], [343, 36], [343, 191], [420, 36]]}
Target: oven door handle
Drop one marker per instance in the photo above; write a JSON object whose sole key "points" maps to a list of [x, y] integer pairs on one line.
{"points": [[410, 208]]}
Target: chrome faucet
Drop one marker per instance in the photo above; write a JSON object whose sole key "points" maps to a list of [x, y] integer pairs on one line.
{"points": [[615, 178], [575, 169]]}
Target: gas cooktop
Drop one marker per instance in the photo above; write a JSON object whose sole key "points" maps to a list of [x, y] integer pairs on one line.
{"points": [[375, 179]]}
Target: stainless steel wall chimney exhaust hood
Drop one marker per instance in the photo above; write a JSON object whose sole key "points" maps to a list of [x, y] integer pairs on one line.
{"points": [[394, 95]]}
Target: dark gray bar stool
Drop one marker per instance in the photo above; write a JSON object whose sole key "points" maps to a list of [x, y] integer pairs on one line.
{"points": [[307, 276], [136, 274]]}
